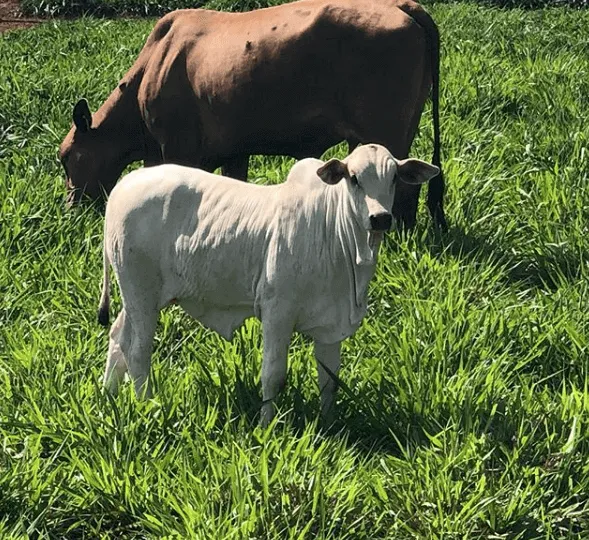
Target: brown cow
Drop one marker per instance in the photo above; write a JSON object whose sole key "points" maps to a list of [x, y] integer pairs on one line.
{"points": [[211, 88]]}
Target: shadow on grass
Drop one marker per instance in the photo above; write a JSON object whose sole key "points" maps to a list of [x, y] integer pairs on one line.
{"points": [[547, 270], [372, 421], [368, 424]]}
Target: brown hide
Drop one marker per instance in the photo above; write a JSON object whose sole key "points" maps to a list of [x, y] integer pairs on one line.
{"points": [[211, 88]]}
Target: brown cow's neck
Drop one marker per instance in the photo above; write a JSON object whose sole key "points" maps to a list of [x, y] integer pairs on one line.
{"points": [[119, 119]]}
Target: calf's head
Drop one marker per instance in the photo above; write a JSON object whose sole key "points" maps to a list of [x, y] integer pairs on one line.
{"points": [[371, 174], [90, 157]]}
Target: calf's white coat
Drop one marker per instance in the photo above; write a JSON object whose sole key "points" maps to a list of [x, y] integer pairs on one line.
{"points": [[299, 256]]}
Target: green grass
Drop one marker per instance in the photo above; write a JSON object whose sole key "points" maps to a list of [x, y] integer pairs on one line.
{"points": [[465, 411], [110, 8]]}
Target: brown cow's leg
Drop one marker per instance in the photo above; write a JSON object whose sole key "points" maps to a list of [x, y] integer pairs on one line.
{"points": [[153, 160], [352, 143], [236, 168], [176, 152], [176, 138], [405, 205], [153, 152]]}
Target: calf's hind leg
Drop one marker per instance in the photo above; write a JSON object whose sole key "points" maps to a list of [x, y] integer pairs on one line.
{"points": [[116, 366], [140, 286], [139, 331]]}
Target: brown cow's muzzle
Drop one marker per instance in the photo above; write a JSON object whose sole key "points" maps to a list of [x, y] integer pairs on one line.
{"points": [[71, 198], [73, 195]]}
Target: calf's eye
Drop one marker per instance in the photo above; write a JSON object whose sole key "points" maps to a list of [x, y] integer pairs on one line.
{"points": [[354, 180]]}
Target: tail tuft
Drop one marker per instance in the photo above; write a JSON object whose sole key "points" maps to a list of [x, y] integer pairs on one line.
{"points": [[435, 201], [103, 317], [104, 305]]}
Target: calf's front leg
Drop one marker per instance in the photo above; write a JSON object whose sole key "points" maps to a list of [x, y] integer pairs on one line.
{"points": [[327, 356], [277, 336]]}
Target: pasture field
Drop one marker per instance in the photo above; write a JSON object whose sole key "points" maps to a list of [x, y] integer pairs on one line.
{"points": [[109, 8], [464, 411]]}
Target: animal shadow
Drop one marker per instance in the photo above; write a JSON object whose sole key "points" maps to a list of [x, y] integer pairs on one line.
{"points": [[547, 270]]}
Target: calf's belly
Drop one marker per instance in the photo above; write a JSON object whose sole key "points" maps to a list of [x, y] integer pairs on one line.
{"points": [[222, 319]]}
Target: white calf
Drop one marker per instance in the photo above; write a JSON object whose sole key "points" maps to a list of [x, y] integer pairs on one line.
{"points": [[299, 256]]}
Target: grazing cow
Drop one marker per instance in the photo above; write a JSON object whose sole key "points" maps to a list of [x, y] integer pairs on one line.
{"points": [[298, 256], [209, 89]]}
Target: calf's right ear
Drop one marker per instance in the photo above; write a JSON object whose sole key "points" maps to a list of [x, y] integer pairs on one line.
{"points": [[82, 116], [333, 171], [415, 171]]}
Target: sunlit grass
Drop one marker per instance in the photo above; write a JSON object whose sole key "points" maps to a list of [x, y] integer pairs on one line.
{"points": [[464, 405]]}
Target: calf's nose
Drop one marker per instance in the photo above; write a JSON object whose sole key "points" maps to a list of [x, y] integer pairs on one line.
{"points": [[381, 222]]}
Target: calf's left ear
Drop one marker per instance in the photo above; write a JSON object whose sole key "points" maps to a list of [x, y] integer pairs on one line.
{"points": [[415, 171], [333, 171]]}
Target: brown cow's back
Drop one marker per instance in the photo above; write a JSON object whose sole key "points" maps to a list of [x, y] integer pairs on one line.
{"points": [[223, 75]]}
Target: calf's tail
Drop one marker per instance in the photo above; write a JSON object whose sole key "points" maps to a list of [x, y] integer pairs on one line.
{"points": [[104, 305]]}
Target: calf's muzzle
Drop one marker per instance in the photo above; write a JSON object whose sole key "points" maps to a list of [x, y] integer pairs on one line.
{"points": [[381, 222]]}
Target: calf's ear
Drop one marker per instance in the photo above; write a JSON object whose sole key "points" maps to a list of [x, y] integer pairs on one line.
{"points": [[415, 171], [333, 171], [82, 116]]}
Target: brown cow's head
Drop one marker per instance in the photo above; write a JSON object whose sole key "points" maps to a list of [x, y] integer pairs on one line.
{"points": [[90, 156]]}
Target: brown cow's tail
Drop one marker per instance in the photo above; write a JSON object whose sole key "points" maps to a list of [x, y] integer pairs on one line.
{"points": [[435, 194], [104, 305]]}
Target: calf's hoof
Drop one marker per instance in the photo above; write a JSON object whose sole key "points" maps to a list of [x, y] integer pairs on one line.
{"points": [[268, 414]]}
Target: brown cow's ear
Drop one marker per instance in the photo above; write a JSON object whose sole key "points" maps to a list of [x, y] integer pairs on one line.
{"points": [[82, 116], [415, 171], [333, 171]]}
